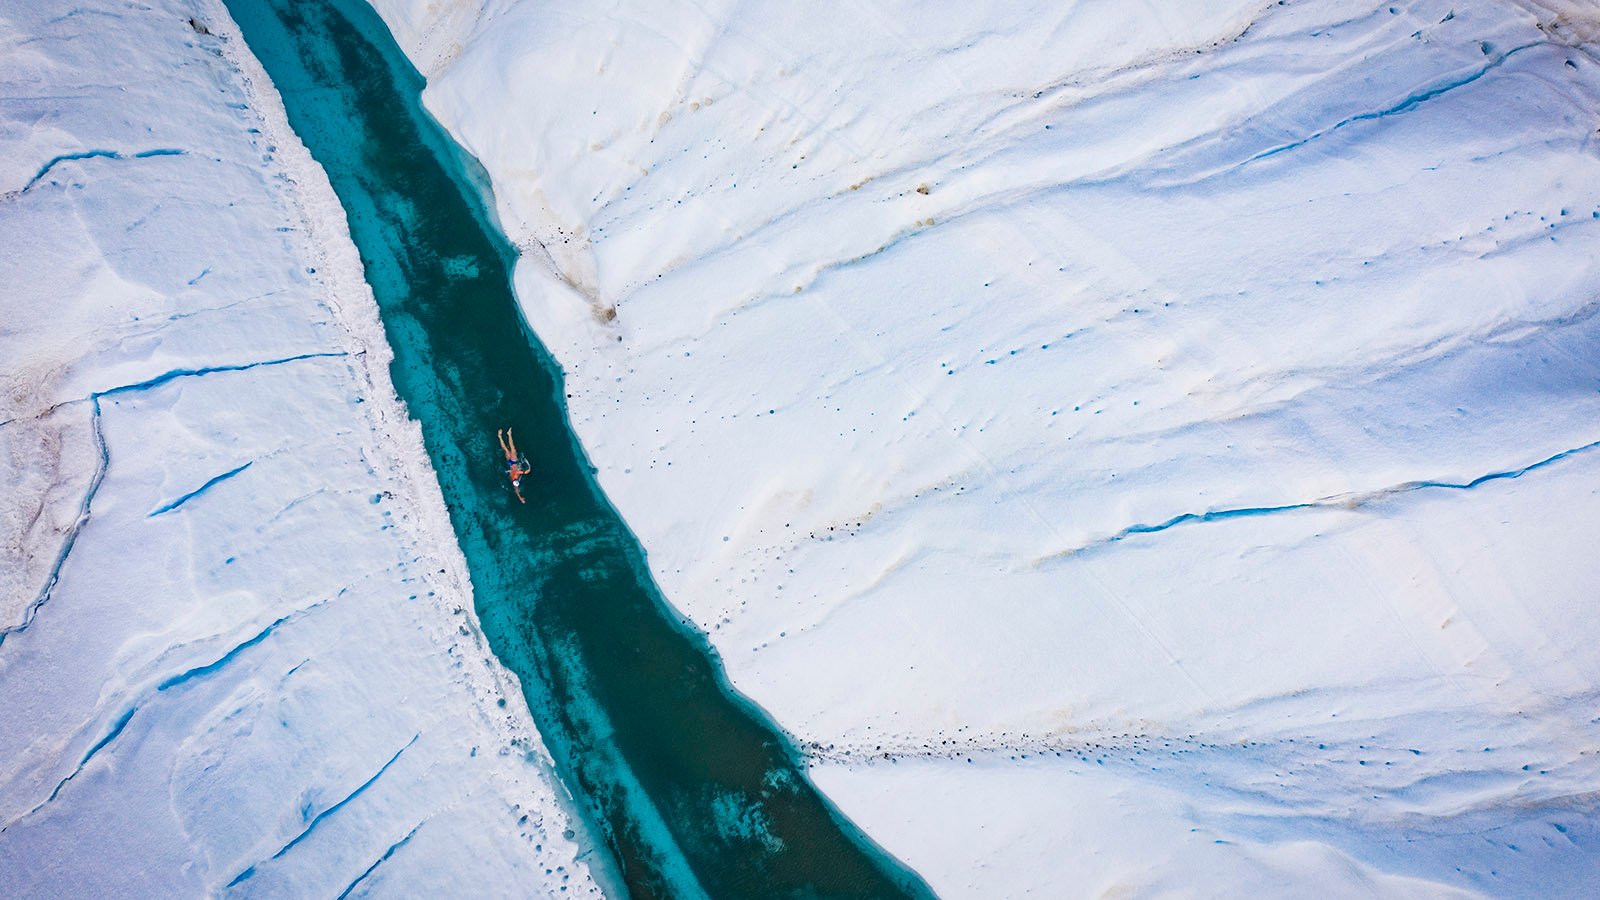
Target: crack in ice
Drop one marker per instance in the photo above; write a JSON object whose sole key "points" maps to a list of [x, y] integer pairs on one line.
{"points": [[84, 511], [213, 482], [201, 671], [77, 527], [165, 377], [320, 817], [96, 154], [1346, 501], [380, 861], [111, 734], [183, 677], [1410, 102]]}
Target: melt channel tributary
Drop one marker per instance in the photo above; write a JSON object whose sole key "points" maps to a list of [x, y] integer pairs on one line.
{"points": [[691, 788]]}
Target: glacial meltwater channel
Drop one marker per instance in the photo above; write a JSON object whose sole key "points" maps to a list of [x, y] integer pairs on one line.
{"points": [[690, 787]]}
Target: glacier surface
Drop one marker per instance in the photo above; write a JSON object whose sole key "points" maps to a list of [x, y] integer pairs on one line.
{"points": [[1135, 447], [238, 653]]}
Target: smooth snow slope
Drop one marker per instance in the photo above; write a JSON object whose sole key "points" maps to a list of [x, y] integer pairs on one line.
{"points": [[237, 648], [1141, 447]]}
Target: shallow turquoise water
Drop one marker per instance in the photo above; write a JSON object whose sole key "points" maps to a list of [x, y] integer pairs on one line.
{"points": [[690, 787]]}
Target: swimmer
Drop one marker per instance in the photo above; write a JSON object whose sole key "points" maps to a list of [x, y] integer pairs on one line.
{"points": [[516, 466]]}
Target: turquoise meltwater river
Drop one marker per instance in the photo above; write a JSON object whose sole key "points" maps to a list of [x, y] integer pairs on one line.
{"points": [[690, 788]]}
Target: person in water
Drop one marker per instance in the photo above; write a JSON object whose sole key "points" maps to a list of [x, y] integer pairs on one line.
{"points": [[515, 467]]}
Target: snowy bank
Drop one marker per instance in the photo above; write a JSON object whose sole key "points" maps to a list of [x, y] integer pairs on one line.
{"points": [[1136, 445], [237, 645]]}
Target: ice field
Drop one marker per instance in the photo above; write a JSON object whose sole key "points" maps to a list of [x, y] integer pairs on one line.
{"points": [[1133, 449]]}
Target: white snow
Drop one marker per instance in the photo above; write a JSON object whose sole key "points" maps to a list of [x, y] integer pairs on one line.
{"points": [[1187, 412], [257, 670]]}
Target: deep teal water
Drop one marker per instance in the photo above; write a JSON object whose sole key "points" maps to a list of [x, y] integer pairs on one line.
{"points": [[690, 788]]}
